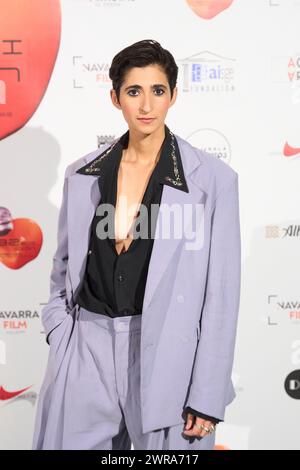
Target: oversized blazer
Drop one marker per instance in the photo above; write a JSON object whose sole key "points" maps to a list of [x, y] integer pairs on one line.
{"points": [[191, 302]]}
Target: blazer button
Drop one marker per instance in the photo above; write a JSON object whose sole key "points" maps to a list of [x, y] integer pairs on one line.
{"points": [[180, 298]]}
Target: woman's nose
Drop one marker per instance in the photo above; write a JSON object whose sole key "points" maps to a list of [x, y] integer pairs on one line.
{"points": [[145, 103]]}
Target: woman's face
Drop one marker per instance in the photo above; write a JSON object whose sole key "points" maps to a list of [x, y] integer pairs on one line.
{"points": [[145, 93]]}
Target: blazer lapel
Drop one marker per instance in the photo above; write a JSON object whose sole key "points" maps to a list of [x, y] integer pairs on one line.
{"points": [[83, 198], [164, 248]]}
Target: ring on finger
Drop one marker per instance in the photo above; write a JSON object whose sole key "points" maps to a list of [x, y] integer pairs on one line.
{"points": [[209, 430]]}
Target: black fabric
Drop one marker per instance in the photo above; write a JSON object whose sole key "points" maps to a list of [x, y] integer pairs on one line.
{"points": [[214, 420], [113, 284]]}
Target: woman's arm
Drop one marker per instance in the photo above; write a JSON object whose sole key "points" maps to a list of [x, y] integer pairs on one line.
{"points": [[211, 377], [54, 312]]}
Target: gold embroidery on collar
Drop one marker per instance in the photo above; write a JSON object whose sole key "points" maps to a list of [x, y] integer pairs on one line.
{"points": [[92, 167], [177, 181]]}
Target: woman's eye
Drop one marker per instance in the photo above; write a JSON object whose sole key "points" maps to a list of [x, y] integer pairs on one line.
{"points": [[157, 89], [130, 91]]}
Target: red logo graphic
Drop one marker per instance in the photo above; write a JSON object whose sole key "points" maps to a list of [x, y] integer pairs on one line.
{"points": [[29, 42], [289, 151], [208, 9], [20, 240], [5, 395]]}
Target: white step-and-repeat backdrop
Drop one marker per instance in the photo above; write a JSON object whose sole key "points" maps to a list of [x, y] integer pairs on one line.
{"points": [[239, 98]]}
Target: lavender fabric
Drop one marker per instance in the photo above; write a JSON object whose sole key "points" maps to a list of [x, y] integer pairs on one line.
{"points": [[94, 402]]}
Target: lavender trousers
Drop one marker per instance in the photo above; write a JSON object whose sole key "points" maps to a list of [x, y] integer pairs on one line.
{"points": [[90, 395]]}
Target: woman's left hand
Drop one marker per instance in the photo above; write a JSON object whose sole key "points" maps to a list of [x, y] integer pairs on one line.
{"points": [[193, 426]]}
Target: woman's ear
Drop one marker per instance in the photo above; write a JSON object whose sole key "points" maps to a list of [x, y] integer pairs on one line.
{"points": [[174, 97], [114, 99]]}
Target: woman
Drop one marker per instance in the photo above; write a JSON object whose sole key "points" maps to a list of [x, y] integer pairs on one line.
{"points": [[142, 327]]}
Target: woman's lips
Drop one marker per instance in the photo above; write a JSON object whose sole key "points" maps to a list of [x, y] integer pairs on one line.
{"points": [[146, 120]]}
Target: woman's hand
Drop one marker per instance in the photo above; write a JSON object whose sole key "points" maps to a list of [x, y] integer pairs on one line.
{"points": [[191, 427]]}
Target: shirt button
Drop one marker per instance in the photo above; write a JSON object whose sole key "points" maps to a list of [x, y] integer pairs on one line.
{"points": [[120, 278], [180, 298]]}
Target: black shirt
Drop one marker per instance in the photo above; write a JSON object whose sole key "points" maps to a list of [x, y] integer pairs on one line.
{"points": [[114, 284]]}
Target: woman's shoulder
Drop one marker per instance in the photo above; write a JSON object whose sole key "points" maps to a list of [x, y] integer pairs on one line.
{"points": [[211, 168]]}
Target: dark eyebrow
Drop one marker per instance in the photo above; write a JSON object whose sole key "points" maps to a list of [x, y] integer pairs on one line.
{"points": [[153, 86]]}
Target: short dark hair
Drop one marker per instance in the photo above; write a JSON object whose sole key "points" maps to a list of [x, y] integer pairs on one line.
{"points": [[141, 54]]}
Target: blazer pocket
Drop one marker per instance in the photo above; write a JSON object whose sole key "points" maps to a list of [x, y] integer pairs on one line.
{"points": [[50, 334]]}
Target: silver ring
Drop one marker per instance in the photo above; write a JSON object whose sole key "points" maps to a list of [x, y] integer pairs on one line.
{"points": [[199, 426], [209, 430]]}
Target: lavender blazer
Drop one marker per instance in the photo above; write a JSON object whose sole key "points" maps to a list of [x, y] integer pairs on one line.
{"points": [[191, 301]]}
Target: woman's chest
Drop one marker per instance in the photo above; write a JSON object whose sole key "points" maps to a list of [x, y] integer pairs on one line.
{"points": [[131, 185]]}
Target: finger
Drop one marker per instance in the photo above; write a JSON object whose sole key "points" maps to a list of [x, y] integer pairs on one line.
{"points": [[190, 421], [202, 431], [189, 424], [194, 430]]}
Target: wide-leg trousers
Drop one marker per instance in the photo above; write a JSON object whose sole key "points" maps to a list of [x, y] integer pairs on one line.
{"points": [[90, 395]]}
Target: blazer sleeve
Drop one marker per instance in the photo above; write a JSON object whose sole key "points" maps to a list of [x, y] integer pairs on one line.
{"points": [[211, 376], [214, 420], [55, 311]]}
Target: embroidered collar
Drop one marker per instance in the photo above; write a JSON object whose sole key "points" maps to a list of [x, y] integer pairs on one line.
{"points": [[168, 170]]}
